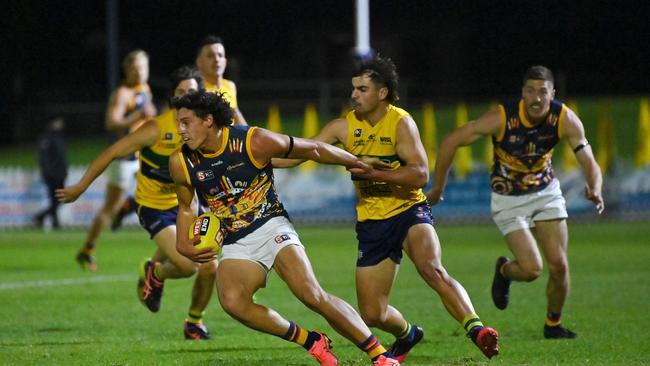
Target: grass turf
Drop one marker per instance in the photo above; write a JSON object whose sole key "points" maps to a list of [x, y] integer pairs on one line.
{"points": [[55, 314]]}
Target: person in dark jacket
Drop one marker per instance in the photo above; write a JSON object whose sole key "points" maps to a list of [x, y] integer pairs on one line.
{"points": [[54, 167]]}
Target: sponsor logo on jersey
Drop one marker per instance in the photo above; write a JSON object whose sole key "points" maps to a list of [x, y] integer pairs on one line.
{"points": [[385, 140], [204, 175], [282, 238], [235, 166]]}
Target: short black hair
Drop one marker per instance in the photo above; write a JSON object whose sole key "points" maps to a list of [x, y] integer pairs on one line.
{"points": [[184, 73], [539, 72], [382, 71], [204, 103], [207, 40]]}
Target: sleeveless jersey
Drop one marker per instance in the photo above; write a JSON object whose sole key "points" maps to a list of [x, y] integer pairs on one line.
{"points": [[236, 187], [378, 200], [522, 151], [141, 95], [227, 88], [155, 187]]}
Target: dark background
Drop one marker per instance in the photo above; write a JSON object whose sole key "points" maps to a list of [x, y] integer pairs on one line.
{"points": [[54, 53]]}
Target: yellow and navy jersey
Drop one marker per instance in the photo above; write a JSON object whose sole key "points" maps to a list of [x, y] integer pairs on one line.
{"points": [[236, 187], [522, 151], [155, 187], [227, 88], [378, 200]]}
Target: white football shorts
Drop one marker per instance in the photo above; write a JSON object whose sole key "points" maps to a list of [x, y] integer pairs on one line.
{"points": [[263, 245], [512, 213], [121, 173]]}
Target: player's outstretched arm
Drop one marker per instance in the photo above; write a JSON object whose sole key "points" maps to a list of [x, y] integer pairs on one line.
{"points": [[488, 124], [186, 214], [332, 133], [574, 133], [144, 136], [267, 145]]}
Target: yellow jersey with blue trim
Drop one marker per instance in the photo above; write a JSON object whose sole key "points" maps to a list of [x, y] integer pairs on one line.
{"points": [[379, 200], [155, 187], [227, 88], [523, 151]]}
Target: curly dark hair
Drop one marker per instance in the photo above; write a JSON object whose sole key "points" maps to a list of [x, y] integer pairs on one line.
{"points": [[204, 103], [383, 72]]}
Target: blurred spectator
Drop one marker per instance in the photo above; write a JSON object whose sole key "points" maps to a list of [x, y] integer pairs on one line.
{"points": [[54, 167]]}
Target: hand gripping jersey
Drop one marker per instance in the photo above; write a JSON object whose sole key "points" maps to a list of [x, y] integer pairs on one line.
{"points": [[155, 187], [522, 151], [379, 200], [236, 187]]}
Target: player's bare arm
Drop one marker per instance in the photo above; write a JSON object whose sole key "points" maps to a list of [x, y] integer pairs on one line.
{"points": [[574, 134], [487, 125], [186, 214], [115, 114], [144, 136], [267, 145], [332, 133]]}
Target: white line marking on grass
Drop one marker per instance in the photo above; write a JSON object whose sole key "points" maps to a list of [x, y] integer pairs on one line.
{"points": [[66, 282]]}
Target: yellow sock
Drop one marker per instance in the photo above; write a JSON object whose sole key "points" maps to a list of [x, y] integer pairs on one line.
{"points": [[372, 347], [471, 321], [195, 316], [156, 272], [404, 333]]}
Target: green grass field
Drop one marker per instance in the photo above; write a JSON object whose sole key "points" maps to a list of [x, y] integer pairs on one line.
{"points": [[52, 313]]}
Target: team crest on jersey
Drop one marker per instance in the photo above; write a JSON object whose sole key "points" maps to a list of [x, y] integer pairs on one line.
{"points": [[169, 136], [281, 238], [515, 139], [357, 132], [204, 175]]}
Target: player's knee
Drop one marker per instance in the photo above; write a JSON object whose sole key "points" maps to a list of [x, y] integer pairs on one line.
{"points": [[532, 272], [208, 269], [186, 269], [373, 317], [232, 303], [434, 275], [558, 269], [313, 297]]}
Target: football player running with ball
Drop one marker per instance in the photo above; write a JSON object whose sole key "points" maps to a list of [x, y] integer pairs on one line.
{"points": [[230, 167]]}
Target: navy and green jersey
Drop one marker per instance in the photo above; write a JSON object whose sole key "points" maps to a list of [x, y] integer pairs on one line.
{"points": [[155, 187], [522, 151], [236, 187]]}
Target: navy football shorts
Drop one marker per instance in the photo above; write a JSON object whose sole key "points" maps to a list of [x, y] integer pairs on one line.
{"points": [[381, 239], [153, 220]]}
